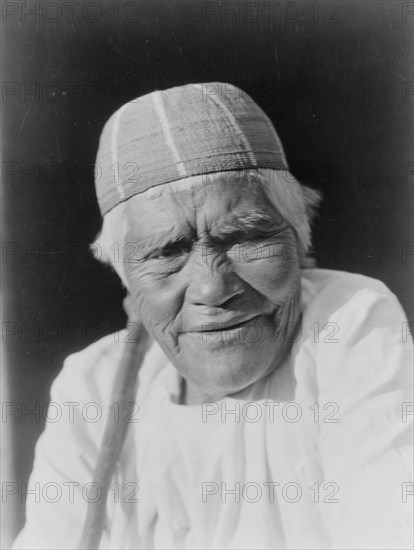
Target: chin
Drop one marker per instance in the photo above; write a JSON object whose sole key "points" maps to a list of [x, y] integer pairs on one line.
{"points": [[231, 368]]}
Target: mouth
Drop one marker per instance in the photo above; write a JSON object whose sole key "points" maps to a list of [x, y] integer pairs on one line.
{"points": [[220, 327], [219, 336], [211, 327]]}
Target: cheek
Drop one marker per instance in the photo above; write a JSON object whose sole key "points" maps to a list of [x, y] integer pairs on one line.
{"points": [[275, 278], [157, 298]]}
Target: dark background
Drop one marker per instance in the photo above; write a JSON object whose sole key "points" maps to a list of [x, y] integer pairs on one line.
{"points": [[335, 78]]}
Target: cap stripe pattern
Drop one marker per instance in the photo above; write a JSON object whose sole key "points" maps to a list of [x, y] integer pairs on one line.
{"points": [[181, 132]]}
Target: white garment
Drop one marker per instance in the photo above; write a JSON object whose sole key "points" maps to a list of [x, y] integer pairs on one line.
{"points": [[352, 364]]}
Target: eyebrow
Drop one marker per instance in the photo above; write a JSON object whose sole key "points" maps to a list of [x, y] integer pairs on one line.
{"points": [[162, 239], [253, 220]]}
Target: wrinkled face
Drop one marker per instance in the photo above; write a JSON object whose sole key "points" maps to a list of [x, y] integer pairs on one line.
{"points": [[214, 275]]}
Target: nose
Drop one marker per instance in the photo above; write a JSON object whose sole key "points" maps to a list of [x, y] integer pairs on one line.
{"points": [[213, 282]]}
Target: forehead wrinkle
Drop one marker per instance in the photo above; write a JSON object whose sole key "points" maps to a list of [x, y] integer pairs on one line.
{"points": [[155, 217], [183, 215], [185, 211], [161, 238], [151, 211]]}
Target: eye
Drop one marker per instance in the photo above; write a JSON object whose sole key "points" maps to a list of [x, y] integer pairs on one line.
{"points": [[174, 249], [255, 234]]}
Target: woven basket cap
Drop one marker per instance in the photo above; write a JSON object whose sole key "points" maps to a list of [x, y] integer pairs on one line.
{"points": [[181, 132]]}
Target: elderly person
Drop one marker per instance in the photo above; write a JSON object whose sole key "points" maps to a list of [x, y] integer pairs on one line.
{"points": [[273, 401]]}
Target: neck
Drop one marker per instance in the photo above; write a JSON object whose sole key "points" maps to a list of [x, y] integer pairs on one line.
{"points": [[193, 395]]}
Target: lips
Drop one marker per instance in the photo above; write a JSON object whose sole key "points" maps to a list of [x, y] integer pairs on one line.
{"points": [[212, 326]]}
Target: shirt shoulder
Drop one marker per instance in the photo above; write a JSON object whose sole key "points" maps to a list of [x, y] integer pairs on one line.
{"points": [[330, 294], [354, 332], [89, 374]]}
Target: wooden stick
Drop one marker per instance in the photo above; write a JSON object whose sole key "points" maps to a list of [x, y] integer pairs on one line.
{"points": [[124, 392]]}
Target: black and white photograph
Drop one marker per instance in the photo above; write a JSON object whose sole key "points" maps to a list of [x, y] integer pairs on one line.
{"points": [[207, 275]]}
